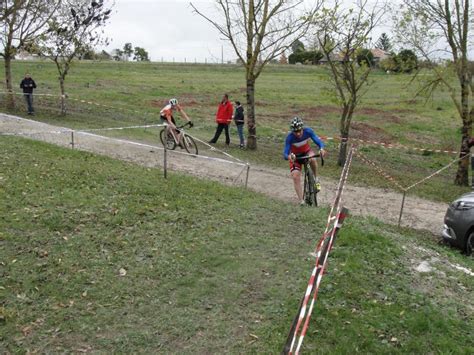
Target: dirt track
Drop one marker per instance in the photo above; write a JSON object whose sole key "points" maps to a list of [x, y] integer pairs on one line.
{"points": [[380, 203]]}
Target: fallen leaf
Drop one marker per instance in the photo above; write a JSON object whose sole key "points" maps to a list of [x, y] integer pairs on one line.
{"points": [[26, 330]]}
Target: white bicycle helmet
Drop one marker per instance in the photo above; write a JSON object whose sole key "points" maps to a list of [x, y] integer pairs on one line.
{"points": [[173, 102], [296, 124]]}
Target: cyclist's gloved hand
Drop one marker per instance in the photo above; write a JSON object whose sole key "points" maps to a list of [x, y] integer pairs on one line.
{"points": [[292, 157], [190, 124], [322, 152]]}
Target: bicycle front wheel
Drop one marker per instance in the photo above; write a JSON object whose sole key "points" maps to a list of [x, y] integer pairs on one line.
{"points": [[310, 193], [167, 140], [190, 145]]}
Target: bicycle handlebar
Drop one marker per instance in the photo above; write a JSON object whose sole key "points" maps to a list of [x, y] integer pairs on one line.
{"points": [[189, 123], [312, 156]]}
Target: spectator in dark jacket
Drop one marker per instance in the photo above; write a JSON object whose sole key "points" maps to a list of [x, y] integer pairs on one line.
{"points": [[28, 84], [239, 122], [223, 118]]}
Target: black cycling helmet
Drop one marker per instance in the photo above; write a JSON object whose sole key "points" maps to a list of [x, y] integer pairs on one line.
{"points": [[296, 124]]}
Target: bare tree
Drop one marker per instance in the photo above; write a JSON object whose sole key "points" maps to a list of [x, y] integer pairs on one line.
{"points": [[434, 26], [342, 34], [259, 31], [76, 28], [21, 23]]}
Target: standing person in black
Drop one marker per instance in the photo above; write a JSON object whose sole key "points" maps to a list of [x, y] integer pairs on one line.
{"points": [[239, 122], [28, 84]]}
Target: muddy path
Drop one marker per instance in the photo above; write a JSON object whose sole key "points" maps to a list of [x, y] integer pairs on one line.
{"points": [[383, 204]]}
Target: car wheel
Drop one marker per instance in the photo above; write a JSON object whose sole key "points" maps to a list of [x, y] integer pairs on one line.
{"points": [[470, 243]]}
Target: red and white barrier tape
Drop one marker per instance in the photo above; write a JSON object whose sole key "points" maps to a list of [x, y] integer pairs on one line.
{"points": [[362, 141], [86, 102], [322, 250], [394, 182], [399, 146], [379, 170], [437, 172]]}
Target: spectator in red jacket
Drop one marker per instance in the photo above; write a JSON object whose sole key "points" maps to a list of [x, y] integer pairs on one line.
{"points": [[223, 119]]}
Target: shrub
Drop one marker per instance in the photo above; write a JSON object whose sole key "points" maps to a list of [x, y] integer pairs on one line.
{"points": [[365, 57]]}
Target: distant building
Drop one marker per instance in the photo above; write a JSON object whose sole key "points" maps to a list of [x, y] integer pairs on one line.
{"points": [[379, 54], [335, 57], [24, 55]]}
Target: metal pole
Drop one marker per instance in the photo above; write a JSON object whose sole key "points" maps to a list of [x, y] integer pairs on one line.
{"points": [[472, 170], [247, 177], [72, 139], [165, 166], [401, 209]]}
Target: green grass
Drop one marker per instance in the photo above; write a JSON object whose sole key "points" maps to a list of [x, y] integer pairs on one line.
{"points": [[209, 269], [133, 93]]}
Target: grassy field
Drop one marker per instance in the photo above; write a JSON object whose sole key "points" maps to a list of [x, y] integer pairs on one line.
{"points": [[98, 255], [133, 93]]}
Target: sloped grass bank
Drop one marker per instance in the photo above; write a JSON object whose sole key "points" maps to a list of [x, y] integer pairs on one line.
{"points": [[104, 256]]}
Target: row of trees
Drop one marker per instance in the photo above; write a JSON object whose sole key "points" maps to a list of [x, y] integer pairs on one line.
{"points": [[262, 30], [405, 61], [139, 54], [61, 30]]}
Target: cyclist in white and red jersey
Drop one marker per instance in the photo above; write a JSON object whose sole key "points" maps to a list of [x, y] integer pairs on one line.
{"points": [[166, 116], [297, 145]]}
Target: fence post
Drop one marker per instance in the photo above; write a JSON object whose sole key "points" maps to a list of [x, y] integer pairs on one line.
{"points": [[72, 139], [401, 209], [165, 162], [247, 177]]}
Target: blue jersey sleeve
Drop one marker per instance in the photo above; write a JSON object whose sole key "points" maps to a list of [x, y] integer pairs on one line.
{"points": [[315, 139], [286, 151]]}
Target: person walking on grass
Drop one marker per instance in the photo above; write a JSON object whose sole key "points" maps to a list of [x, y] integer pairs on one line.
{"points": [[28, 84], [239, 122], [223, 119]]}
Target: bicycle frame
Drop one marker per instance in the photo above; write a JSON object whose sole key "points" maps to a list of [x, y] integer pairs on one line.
{"points": [[309, 192], [179, 129], [185, 140]]}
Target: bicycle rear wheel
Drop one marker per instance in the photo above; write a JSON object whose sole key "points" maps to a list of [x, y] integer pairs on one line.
{"points": [[310, 193], [189, 144], [167, 141]]}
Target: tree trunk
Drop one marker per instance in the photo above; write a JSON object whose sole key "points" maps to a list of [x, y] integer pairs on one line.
{"points": [[63, 96], [10, 98], [345, 126], [462, 175], [341, 160], [252, 130]]}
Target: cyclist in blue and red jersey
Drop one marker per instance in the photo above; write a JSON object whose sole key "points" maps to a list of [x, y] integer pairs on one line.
{"points": [[297, 145]]}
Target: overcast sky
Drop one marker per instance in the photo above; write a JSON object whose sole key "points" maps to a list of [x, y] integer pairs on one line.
{"points": [[167, 29]]}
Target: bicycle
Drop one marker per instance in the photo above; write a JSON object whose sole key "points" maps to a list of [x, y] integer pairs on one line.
{"points": [[170, 140], [310, 193]]}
